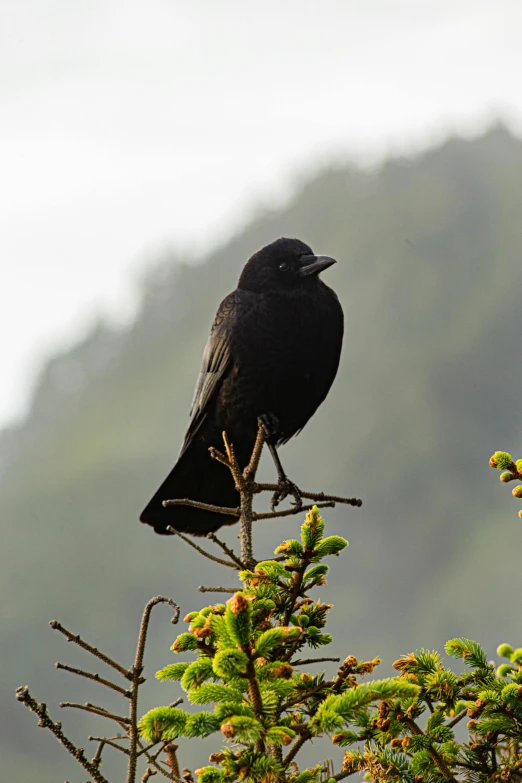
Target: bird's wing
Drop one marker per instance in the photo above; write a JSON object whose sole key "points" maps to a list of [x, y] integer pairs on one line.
{"points": [[217, 361]]}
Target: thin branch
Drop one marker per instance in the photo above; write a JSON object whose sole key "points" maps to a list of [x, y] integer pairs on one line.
{"points": [[148, 774], [107, 741], [203, 589], [306, 661], [459, 717], [289, 512], [95, 677], [357, 502], [231, 512], [23, 695], [267, 487], [97, 758], [201, 551], [172, 759], [227, 550], [344, 774], [218, 456], [56, 626], [435, 757], [232, 462], [296, 747], [156, 765], [97, 711], [137, 679], [251, 469]]}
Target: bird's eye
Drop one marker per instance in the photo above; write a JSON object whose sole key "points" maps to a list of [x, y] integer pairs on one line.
{"points": [[283, 266]]}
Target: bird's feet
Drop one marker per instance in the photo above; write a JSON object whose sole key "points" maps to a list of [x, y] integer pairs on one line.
{"points": [[285, 488]]}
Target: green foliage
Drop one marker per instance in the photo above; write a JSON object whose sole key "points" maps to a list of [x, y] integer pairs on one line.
{"points": [[512, 471], [397, 729], [174, 672], [501, 460], [229, 663], [470, 652]]}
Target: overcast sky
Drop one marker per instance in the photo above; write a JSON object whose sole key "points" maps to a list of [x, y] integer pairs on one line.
{"points": [[129, 126]]}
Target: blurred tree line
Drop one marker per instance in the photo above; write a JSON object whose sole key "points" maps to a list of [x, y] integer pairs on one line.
{"points": [[429, 275]]}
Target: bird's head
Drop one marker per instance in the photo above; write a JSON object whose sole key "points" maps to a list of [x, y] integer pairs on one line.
{"points": [[283, 264]]}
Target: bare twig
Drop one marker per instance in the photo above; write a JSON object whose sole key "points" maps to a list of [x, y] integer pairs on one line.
{"points": [[319, 496], [203, 589], [148, 774], [109, 741], [201, 551], [122, 720], [227, 550], [231, 512], [289, 512], [172, 759], [156, 765], [296, 747], [137, 670], [23, 695], [56, 626], [250, 471], [95, 677], [314, 660]]}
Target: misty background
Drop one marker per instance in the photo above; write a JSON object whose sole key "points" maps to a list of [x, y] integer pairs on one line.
{"points": [[146, 152]]}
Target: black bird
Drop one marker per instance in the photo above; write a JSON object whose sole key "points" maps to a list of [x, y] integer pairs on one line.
{"points": [[273, 354]]}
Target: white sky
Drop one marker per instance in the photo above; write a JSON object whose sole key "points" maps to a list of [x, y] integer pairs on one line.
{"points": [[129, 126]]}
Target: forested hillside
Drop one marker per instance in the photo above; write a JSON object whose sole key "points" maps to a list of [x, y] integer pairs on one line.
{"points": [[430, 278]]}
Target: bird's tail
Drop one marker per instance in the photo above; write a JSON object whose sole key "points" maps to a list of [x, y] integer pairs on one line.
{"points": [[197, 477]]}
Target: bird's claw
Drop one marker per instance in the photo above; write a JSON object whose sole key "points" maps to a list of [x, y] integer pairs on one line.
{"points": [[285, 488], [269, 423]]}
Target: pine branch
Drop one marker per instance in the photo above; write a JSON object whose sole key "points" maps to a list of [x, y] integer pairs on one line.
{"points": [[23, 696], [227, 550], [103, 713], [201, 551], [95, 677], [203, 589], [56, 626]]}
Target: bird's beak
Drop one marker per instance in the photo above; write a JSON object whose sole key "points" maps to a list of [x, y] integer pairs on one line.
{"points": [[315, 264]]}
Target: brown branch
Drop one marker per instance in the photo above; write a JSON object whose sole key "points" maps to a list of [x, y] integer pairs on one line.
{"points": [[95, 677], [97, 711], [306, 661], [357, 502], [148, 774], [231, 512], [233, 464], [108, 741], [290, 512], [56, 626], [297, 585], [152, 760], [296, 747], [227, 550], [137, 679], [267, 487], [456, 720], [201, 551], [302, 697], [218, 456], [203, 589], [172, 759], [250, 471], [23, 696], [435, 757], [344, 774]]}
